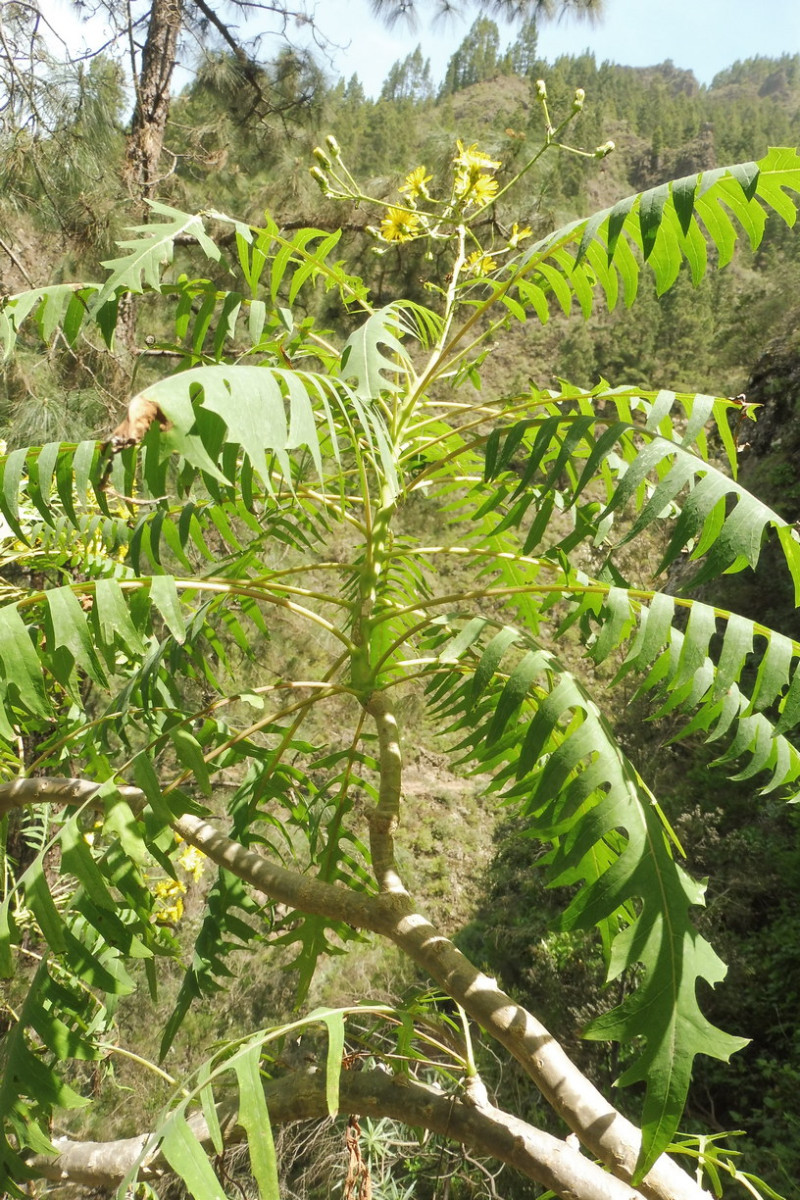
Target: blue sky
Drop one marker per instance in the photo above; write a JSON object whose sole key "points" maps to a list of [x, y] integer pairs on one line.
{"points": [[703, 35]]}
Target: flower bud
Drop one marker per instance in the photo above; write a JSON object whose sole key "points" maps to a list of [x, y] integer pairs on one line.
{"points": [[577, 103], [604, 150], [333, 146], [541, 89], [321, 178], [321, 157]]}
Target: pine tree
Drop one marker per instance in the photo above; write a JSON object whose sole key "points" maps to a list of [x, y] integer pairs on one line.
{"points": [[524, 61], [409, 79], [475, 59]]}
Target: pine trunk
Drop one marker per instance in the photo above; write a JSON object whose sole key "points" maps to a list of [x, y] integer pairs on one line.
{"points": [[146, 138]]}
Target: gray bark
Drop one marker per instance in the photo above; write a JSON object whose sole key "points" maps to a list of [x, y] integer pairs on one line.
{"points": [[484, 1129], [598, 1125], [149, 121]]}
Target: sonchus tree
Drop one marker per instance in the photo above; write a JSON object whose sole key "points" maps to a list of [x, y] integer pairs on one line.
{"points": [[252, 509]]}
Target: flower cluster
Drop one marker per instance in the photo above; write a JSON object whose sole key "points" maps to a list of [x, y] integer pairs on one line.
{"points": [[169, 895], [193, 862], [416, 213], [403, 223], [473, 186]]}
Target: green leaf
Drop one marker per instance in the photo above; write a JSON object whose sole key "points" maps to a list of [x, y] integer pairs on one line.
{"points": [[164, 595], [779, 173], [669, 1019], [561, 763], [69, 631], [190, 755], [651, 210], [40, 901], [334, 1022], [141, 268], [257, 320], [254, 1118], [662, 223], [648, 466], [515, 690], [773, 672], [252, 403], [21, 665], [96, 973], [11, 467], [40, 478], [61, 305], [209, 1106], [364, 355], [790, 706], [188, 1160], [113, 617], [683, 194], [491, 658]]}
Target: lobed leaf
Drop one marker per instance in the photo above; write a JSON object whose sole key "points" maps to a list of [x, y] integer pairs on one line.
{"points": [[252, 402], [653, 456], [556, 758], [364, 356], [665, 226], [149, 253]]}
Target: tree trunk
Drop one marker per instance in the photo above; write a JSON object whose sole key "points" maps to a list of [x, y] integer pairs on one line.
{"points": [[145, 144], [146, 138]]}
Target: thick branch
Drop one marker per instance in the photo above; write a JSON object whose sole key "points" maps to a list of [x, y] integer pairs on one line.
{"points": [[485, 1130], [385, 816], [604, 1131], [598, 1125], [301, 892], [39, 790]]}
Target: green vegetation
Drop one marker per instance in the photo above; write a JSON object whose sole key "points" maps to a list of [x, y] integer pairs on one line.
{"points": [[357, 588]]}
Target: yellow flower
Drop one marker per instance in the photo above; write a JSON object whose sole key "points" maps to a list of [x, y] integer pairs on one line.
{"points": [[473, 160], [479, 263], [92, 833], [170, 914], [478, 191], [471, 183], [399, 225], [193, 861], [167, 887], [170, 902], [518, 235], [415, 184]]}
